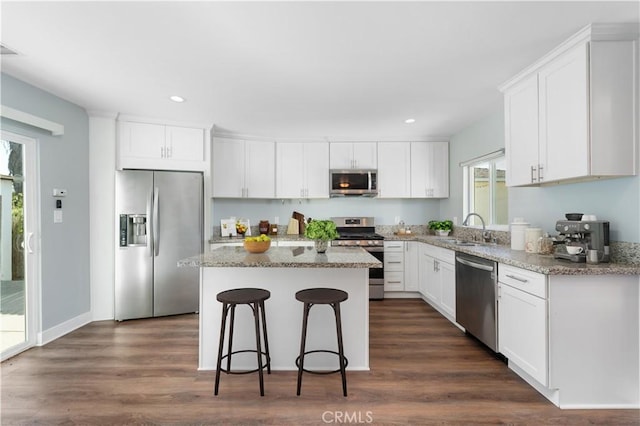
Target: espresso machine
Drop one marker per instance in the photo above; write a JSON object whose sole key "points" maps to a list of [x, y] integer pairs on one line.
{"points": [[587, 234]]}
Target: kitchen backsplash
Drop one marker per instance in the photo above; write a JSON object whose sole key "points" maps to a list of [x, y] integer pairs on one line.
{"points": [[621, 252]]}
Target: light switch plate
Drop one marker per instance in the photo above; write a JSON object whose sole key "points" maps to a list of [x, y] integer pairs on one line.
{"points": [[57, 216]]}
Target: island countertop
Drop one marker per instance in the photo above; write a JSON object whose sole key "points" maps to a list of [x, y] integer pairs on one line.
{"points": [[285, 257]]}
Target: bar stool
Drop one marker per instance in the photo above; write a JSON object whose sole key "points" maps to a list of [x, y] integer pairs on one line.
{"points": [[254, 297], [322, 296]]}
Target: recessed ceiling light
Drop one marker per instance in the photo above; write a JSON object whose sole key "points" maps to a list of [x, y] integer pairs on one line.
{"points": [[410, 120], [176, 98]]}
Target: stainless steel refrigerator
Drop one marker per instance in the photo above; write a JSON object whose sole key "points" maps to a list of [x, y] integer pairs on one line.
{"points": [[159, 219]]}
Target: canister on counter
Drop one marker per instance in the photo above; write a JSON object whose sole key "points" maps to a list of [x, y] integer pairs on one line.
{"points": [[545, 244], [518, 227], [531, 237]]}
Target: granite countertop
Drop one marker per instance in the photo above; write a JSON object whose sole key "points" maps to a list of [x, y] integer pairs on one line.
{"points": [[285, 257], [544, 264]]}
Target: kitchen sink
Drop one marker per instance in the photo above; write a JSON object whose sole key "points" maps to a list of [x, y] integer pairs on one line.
{"points": [[461, 243]]}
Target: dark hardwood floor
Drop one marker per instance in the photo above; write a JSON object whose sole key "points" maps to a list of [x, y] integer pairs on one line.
{"points": [[423, 371]]}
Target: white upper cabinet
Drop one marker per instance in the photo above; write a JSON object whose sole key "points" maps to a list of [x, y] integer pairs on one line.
{"points": [[521, 132], [394, 173], [302, 170], [353, 155], [570, 116], [161, 147], [429, 169], [243, 169]]}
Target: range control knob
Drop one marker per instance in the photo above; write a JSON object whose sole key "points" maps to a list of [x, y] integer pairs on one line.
{"points": [[587, 226], [566, 228]]}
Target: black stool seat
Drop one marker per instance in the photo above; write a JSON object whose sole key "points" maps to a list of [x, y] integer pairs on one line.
{"points": [[254, 298], [322, 296], [240, 296]]}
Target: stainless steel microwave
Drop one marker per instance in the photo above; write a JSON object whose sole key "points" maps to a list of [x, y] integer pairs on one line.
{"points": [[353, 182]]}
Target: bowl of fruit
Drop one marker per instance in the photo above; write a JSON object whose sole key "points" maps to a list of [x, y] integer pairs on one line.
{"points": [[257, 244]]}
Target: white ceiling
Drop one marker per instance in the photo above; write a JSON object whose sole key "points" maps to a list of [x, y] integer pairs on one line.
{"points": [[292, 69]]}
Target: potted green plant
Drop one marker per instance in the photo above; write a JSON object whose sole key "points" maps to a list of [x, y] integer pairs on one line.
{"points": [[321, 231], [441, 227]]}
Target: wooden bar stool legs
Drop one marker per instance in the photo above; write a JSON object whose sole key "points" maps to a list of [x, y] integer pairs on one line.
{"points": [[254, 298]]}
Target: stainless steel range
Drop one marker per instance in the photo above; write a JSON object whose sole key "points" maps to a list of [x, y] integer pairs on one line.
{"points": [[361, 232]]}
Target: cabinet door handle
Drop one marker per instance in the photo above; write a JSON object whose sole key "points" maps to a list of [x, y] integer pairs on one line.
{"points": [[394, 282], [533, 177], [540, 167], [394, 261], [522, 280]]}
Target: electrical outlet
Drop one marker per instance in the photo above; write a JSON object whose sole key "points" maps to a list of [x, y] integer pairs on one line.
{"points": [[57, 216]]}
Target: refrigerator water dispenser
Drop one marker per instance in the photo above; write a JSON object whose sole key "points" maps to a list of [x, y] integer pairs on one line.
{"points": [[133, 230]]}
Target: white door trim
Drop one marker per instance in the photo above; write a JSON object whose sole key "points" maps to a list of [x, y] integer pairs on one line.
{"points": [[33, 288]]}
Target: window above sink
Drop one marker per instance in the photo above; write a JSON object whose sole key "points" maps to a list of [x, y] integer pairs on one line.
{"points": [[485, 191]]}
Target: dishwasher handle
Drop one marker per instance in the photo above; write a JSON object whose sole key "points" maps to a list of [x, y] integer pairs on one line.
{"points": [[474, 264]]}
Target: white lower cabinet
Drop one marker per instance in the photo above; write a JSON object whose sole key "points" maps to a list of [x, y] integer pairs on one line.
{"points": [[437, 278], [574, 338], [447, 274], [522, 320], [411, 266], [394, 266]]}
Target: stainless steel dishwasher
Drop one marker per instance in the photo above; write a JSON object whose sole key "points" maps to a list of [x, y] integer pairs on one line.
{"points": [[476, 286]]}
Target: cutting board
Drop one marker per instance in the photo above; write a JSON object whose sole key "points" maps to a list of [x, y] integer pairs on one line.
{"points": [[300, 218], [293, 228]]}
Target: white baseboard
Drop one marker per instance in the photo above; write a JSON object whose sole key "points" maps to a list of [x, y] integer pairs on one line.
{"points": [[61, 329]]}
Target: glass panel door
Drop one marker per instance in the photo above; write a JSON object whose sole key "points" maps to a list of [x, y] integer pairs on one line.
{"points": [[13, 320]]}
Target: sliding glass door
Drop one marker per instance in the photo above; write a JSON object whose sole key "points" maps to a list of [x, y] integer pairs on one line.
{"points": [[18, 254]]}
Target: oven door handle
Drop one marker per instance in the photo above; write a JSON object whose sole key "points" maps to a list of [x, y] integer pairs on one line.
{"points": [[373, 249]]}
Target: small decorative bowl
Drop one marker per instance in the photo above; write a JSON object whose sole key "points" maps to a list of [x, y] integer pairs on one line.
{"points": [[257, 246]]}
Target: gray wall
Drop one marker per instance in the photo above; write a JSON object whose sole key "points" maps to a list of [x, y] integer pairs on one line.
{"points": [[64, 163], [482, 137], [615, 200]]}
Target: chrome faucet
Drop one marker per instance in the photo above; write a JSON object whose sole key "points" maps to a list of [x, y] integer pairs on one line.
{"points": [[486, 235]]}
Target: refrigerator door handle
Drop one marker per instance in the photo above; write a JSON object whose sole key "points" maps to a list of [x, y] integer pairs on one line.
{"points": [[150, 224], [156, 240]]}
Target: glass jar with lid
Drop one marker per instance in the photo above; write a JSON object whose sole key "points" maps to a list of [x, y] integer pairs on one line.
{"points": [[545, 244]]}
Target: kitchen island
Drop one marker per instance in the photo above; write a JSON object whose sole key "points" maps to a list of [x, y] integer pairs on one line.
{"points": [[284, 271]]}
